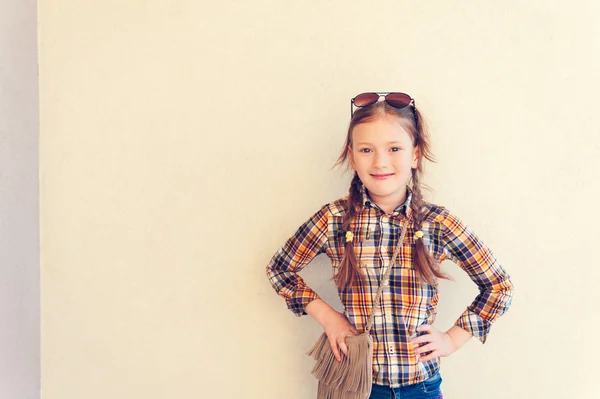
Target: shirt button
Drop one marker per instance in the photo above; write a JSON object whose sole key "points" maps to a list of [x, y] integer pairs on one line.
{"points": [[383, 249], [391, 350], [386, 282]]}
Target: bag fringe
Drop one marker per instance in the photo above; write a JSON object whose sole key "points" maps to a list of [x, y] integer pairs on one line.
{"points": [[349, 379]]}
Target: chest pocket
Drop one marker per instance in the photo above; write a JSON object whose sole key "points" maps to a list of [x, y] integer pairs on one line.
{"points": [[337, 240], [376, 255], [433, 240]]}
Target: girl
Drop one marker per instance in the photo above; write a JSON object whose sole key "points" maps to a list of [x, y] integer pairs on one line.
{"points": [[386, 146]]}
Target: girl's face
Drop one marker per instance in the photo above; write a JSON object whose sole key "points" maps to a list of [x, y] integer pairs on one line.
{"points": [[383, 156]]}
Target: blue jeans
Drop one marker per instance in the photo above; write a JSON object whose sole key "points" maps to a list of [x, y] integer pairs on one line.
{"points": [[428, 389]]}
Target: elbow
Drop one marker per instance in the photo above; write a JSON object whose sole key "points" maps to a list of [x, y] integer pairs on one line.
{"points": [[506, 296]]}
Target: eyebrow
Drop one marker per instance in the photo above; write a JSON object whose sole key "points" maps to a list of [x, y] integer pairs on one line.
{"points": [[388, 143]]}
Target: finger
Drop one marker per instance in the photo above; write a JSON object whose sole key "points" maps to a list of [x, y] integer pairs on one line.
{"points": [[343, 347], [424, 327], [334, 349], [427, 358], [421, 339], [354, 330], [425, 348]]}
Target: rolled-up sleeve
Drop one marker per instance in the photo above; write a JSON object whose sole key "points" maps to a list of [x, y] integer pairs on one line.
{"points": [[470, 253], [301, 248]]}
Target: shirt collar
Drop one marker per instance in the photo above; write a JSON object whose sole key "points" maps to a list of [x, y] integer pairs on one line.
{"points": [[402, 208]]}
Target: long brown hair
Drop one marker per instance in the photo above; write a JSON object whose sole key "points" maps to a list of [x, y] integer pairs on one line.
{"points": [[412, 121]]}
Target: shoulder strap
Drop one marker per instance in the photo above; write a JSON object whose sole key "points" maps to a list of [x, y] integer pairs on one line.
{"points": [[385, 276]]}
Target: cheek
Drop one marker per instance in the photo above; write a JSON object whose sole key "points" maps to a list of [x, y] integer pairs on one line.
{"points": [[361, 162], [404, 162]]}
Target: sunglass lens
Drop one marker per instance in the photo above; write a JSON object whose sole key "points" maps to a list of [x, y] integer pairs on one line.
{"points": [[398, 100], [364, 99]]}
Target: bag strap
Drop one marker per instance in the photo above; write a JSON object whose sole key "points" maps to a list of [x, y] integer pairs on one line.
{"points": [[386, 275]]}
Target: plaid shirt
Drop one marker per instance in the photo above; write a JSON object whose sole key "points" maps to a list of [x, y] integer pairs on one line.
{"points": [[406, 302]]}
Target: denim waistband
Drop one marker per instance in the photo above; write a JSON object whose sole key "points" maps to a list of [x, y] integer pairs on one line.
{"points": [[428, 389]]}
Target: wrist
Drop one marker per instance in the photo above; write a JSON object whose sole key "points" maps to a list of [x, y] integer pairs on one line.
{"points": [[458, 337], [453, 345], [320, 311]]}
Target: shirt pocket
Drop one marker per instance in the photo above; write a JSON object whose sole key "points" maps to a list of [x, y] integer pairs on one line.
{"points": [[337, 240], [433, 240], [379, 257]]}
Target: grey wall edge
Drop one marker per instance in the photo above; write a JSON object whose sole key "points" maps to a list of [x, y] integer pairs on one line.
{"points": [[19, 202]]}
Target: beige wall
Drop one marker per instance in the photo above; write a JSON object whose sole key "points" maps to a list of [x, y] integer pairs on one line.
{"points": [[182, 142]]}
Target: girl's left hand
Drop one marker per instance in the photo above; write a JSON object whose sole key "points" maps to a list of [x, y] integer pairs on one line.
{"points": [[438, 343]]}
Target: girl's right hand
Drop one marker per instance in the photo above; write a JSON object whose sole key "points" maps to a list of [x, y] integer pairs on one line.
{"points": [[338, 327]]}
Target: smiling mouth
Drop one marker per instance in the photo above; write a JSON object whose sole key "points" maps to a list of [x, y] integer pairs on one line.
{"points": [[382, 177]]}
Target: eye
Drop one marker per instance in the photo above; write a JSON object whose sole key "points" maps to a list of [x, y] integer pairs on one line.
{"points": [[396, 149], [364, 150]]}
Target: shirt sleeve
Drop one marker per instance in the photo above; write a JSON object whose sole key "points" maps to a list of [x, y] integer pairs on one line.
{"points": [[301, 248], [470, 253]]}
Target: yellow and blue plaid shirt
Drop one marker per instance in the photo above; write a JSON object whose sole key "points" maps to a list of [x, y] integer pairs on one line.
{"points": [[406, 302]]}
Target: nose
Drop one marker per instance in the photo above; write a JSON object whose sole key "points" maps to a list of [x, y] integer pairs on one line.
{"points": [[381, 159]]}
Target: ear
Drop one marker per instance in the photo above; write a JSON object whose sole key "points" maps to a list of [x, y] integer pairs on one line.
{"points": [[416, 157], [351, 156]]}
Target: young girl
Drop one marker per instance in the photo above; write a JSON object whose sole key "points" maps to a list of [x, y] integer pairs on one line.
{"points": [[386, 146]]}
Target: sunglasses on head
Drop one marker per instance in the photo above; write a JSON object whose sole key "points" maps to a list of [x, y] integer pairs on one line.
{"points": [[396, 100]]}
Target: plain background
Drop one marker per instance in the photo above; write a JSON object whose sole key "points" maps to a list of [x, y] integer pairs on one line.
{"points": [[182, 142], [19, 201]]}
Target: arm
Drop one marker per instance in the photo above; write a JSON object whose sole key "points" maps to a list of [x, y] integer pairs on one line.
{"points": [[458, 337], [302, 247], [469, 252]]}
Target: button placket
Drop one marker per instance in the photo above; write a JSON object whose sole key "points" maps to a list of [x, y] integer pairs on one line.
{"points": [[386, 254], [384, 223]]}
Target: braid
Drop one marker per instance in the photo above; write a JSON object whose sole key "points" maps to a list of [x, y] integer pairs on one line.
{"points": [[417, 201], [349, 273], [425, 265]]}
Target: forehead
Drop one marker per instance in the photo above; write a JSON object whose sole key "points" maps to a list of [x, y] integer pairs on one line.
{"points": [[381, 130]]}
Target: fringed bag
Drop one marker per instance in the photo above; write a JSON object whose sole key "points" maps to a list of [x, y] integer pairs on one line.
{"points": [[352, 378], [349, 379]]}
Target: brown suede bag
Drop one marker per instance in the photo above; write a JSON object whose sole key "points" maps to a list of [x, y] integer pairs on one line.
{"points": [[352, 378]]}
